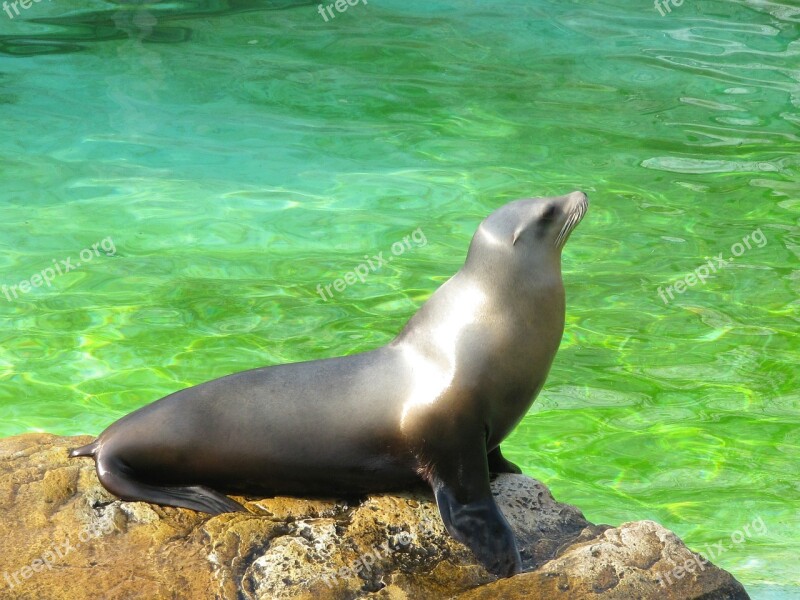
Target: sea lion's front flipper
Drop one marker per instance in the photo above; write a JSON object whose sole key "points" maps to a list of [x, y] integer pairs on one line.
{"points": [[469, 512], [500, 464]]}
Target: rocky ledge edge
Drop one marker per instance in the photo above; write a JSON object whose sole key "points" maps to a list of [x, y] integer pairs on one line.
{"points": [[62, 536]]}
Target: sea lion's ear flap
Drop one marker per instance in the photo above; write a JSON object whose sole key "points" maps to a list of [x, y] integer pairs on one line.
{"points": [[522, 228]]}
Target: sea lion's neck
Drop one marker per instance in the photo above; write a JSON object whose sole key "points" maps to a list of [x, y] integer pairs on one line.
{"points": [[506, 332], [515, 273], [471, 298]]}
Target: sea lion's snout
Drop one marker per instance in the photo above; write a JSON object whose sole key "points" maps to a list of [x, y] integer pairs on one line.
{"points": [[575, 206], [576, 202], [578, 196]]}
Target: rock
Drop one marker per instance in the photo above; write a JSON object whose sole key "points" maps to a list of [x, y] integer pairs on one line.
{"points": [[634, 560], [62, 536]]}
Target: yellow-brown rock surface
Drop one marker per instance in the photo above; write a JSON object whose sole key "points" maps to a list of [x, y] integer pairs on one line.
{"points": [[62, 536]]}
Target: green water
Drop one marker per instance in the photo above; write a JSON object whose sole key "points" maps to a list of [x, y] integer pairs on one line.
{"points": [[232, 155]]}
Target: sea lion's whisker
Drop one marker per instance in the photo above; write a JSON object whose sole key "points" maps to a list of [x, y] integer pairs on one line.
{"points": [[572, 220]]}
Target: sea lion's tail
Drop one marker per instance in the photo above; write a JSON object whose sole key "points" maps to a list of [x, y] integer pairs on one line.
{"points": [[87, 450]]}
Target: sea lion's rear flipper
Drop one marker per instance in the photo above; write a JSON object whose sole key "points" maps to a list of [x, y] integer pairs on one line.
{"points": [[87, 450], [500, 464], [194, 497], [470, 515]]}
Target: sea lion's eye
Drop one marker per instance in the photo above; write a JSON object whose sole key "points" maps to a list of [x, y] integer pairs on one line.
{"points": [[549, 214]]}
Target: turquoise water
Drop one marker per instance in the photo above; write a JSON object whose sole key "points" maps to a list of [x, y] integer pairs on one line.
{"points": [[227, 157]]}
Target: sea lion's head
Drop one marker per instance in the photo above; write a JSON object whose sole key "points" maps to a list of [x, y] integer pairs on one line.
{"points": [[526, 235]]}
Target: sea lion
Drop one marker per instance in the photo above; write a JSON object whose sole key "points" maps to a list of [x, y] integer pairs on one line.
{"points": [[431, 406]]}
